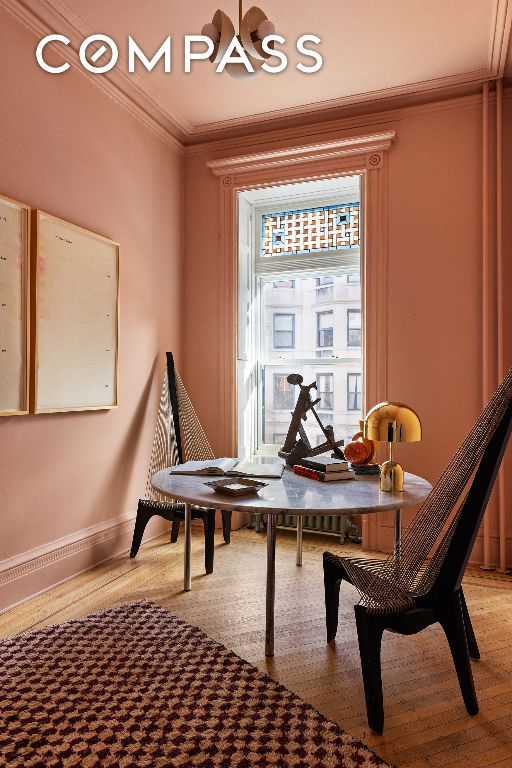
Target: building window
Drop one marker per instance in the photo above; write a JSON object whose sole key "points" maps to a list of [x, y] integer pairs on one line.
{"points": [[283, 284], [324, 287], [354, 278], [284, 399], [328, 228], [353, 327], [284, 331], [354, 402], [325, 389], [324, 329]]}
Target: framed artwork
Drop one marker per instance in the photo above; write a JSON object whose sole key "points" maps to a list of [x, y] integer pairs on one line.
{"points": [[75, 324], [14, 307]]}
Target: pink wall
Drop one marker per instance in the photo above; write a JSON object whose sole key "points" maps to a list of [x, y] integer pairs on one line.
{"points": [[66, 148], [434, 272]]}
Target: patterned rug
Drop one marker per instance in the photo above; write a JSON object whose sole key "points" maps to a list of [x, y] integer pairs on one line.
{"points": [[136, 686]]}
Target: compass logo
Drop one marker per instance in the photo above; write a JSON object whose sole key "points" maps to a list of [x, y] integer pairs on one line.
{"points": [[95, 48]]}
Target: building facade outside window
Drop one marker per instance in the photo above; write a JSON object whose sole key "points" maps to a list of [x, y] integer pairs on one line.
{"points": [[354, 278], [354, 399], [325, 390], [284, 331], [353, 327], [324, 329], [283, 394], [283, 284]]}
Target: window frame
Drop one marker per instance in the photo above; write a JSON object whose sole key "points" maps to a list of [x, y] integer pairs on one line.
{"points": [[357, 392], [321, 392], [319, 330], [292, 331], [352, 312], [275, 374]]}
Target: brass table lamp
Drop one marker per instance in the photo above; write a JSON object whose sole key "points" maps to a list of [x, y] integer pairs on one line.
{"points": [[392, 423]]}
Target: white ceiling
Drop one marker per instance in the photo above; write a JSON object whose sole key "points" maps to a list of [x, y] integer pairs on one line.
{"points": [[371, 49]]}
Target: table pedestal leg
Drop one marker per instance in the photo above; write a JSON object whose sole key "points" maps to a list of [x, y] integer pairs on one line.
{"points": [[271, 585], [300, 526], [187, 581], [398, 532]]}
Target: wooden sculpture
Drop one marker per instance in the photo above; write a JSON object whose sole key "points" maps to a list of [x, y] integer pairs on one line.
{"points": [[297, 446]]}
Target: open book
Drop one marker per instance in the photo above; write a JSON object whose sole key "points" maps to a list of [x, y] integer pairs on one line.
{"points": [[230, 467]]}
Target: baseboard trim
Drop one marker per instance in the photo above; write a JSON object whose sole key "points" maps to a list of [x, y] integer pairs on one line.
{"points": [[42, 568]]}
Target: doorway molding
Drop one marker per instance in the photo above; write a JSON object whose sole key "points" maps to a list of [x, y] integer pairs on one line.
{"points": [[364, 155]]}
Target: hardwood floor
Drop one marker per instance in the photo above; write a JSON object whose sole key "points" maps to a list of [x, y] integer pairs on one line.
{"points": [[426, 722]]}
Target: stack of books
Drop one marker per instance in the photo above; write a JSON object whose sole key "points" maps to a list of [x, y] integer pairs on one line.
{"points": [[324, 468]]}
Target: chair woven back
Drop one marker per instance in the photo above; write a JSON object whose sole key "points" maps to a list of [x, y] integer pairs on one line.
{"points": [[413, 566], [179, 435]]}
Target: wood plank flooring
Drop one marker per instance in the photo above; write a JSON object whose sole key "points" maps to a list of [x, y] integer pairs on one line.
{"points": [[426, 723]]}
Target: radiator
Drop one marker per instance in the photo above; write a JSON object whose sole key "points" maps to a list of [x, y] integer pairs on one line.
{"points": [[339, 525]]}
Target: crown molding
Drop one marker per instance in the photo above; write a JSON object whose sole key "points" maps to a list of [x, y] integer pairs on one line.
{"points": [[42, 17], [328, 150], [135, 95], [362, 120]]}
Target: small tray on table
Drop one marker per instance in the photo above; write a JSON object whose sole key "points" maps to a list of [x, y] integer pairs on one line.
{"points": [[236, 486]]}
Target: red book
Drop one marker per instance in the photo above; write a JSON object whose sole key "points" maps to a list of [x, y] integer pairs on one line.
{"points": [[324, 477]]}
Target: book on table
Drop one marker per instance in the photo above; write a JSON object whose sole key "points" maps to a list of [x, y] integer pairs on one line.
{"points": [[229, 468], [325, 463], [324, 477]]}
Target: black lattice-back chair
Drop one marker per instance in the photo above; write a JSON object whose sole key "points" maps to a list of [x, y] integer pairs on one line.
{"points": [[421, 581], [179, 437]]}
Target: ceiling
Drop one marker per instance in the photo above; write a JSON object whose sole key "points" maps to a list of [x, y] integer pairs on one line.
{"points": [[372, 49]]}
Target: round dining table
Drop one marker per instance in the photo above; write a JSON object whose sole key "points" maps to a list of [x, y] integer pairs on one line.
{"points": [[292, 495]]}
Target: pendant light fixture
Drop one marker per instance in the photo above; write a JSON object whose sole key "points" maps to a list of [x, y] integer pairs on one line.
{"points": [[253, 28]]}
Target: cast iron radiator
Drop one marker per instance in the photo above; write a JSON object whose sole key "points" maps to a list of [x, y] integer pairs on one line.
{"points": [[339, 525]]}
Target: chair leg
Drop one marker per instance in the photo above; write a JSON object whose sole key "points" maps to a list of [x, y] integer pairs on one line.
{"points": [[452, 621], [332, 583], [141, 521], [175, 530], [473, 649], [209, 540], [226, 525], [369, 634]]}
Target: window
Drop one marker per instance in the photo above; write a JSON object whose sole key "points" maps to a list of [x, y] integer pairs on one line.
{"points": [[354, 392], [284, 331], [354, 278], [324, 329], [324, 287], [325, 390], [283, 284], [353, 327], [284, 396]]}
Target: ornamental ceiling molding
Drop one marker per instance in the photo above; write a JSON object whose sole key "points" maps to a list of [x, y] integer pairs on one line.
{"points": [[370, 145], [132, 92]]}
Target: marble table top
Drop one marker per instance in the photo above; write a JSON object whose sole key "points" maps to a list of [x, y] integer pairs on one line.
{"points": [[296, 495]]}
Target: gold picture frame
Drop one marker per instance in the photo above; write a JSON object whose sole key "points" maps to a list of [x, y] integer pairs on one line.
{"points": [[74, 318], [14, 307]]}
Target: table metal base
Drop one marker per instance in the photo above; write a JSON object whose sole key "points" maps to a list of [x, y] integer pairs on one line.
{"points": [[187, 577]]}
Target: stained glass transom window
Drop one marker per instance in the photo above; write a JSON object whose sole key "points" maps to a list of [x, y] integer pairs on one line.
{"points": [[330, 228]]}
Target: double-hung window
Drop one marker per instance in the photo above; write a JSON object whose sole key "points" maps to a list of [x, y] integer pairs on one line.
{"points": [[353, 327], [354, 392], [324, 329], [325, 391], [284, 331], [294, 293]]}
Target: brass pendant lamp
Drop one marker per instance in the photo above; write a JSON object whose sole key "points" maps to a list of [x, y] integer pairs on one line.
{"points": [[253, 28]]}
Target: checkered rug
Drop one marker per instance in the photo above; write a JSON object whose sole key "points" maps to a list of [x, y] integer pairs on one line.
{"points": [[136, 686]]}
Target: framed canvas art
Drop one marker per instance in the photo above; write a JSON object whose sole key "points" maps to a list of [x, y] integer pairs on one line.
{"points": [[75, 301], [14, 307]]}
